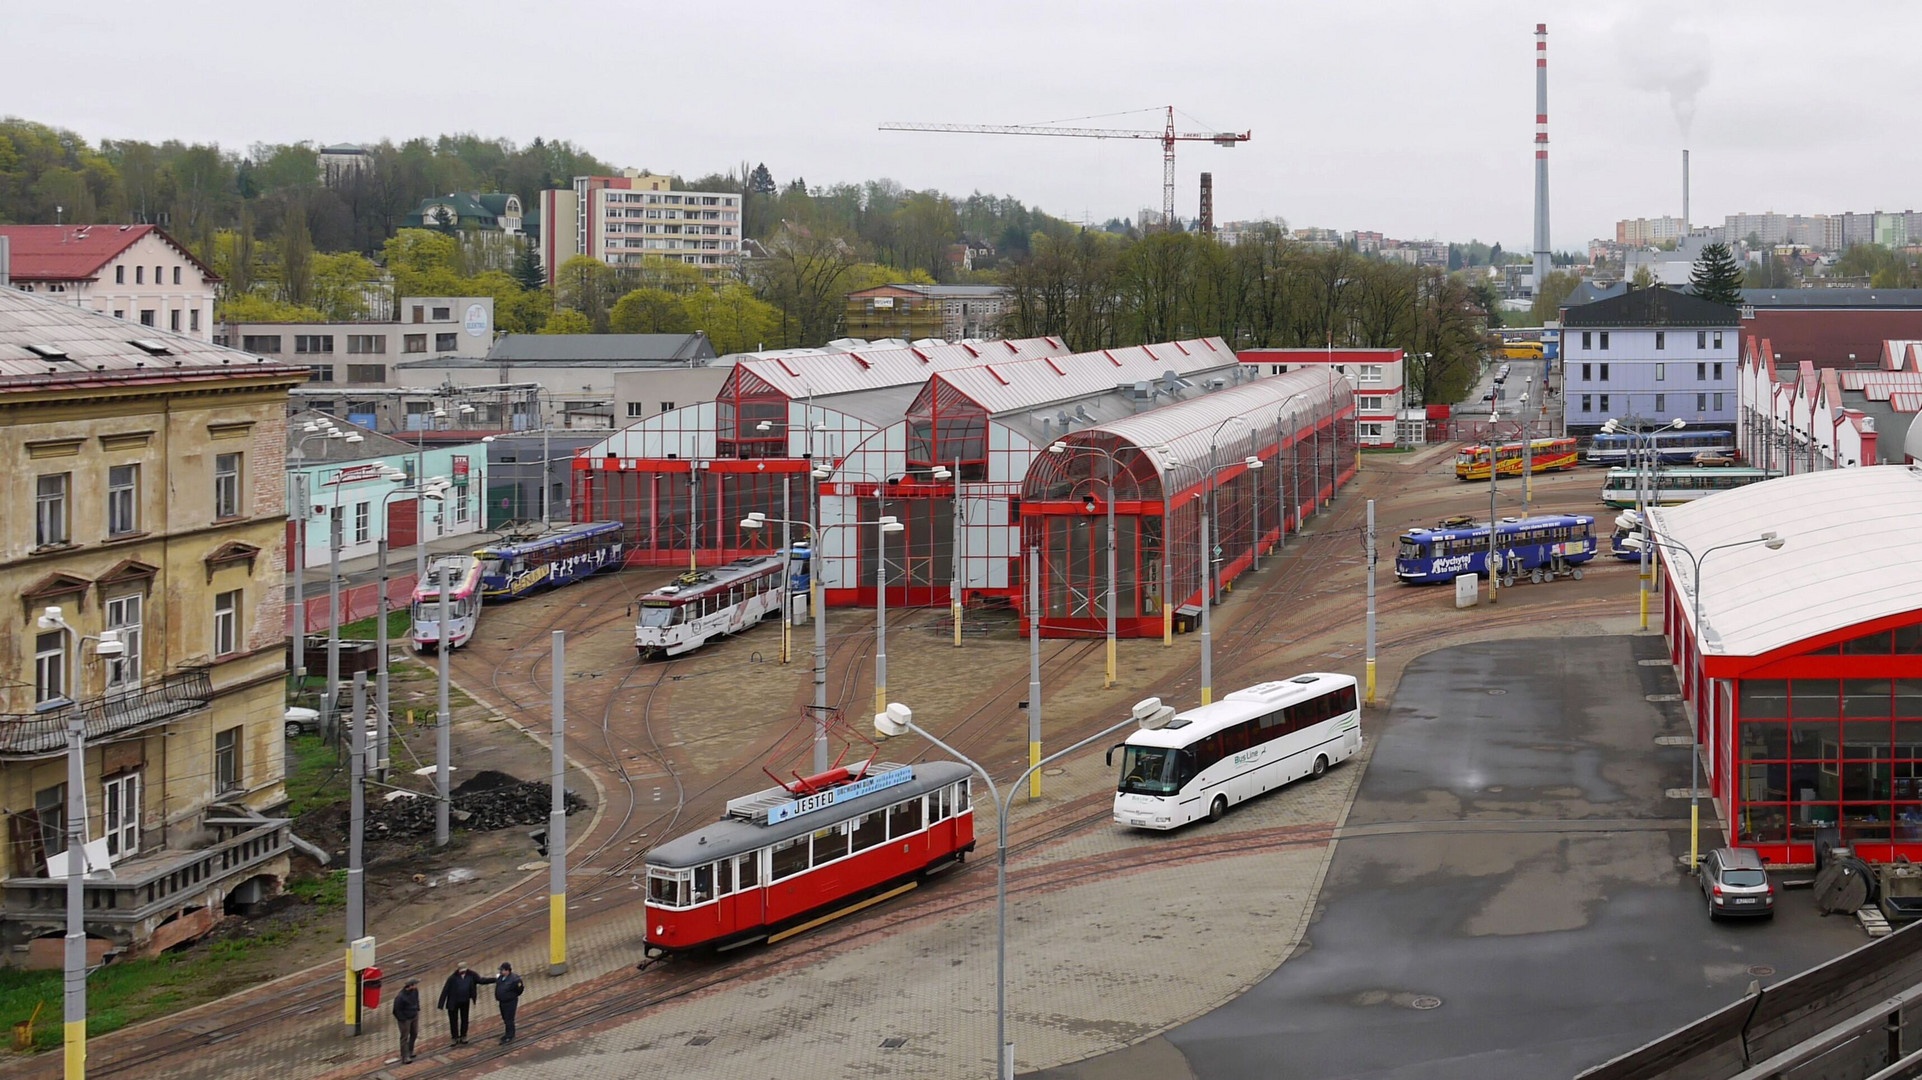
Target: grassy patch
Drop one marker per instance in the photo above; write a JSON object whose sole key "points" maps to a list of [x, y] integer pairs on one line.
{"points": [[326, 892], [316, 776], [126, 991], [398, 623], [1388, 449]]}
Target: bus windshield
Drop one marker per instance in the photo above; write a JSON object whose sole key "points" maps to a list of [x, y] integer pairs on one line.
{"points": [[1152, 770], [657, 616]]}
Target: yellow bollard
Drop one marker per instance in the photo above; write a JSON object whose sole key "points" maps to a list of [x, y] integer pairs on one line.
{"points": [[557, 931], [1034, 778], [1371, 680]]}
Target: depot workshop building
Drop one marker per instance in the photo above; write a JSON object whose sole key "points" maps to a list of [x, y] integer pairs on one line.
{"points": [[1804, 675]]}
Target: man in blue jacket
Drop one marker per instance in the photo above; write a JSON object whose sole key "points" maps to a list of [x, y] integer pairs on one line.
{"points": [[508, 988]]}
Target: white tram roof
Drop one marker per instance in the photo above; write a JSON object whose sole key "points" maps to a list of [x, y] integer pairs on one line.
{"points": [[709, 578], [731, 836], [1257, 700], [1849, 556]]}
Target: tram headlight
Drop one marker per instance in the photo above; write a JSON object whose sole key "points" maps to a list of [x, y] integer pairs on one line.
{"points": [[659, 929]]}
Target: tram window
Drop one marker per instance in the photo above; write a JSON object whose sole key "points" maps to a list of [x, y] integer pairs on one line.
{"points": [[724, 877], [704, 883], [748, 869], [904, 818], [790, 858], [829, 844], [961, 797], [869, 830], [667, 888]]}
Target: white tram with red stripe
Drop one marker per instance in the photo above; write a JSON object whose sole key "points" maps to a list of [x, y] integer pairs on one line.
{"points": [[793, 856]]}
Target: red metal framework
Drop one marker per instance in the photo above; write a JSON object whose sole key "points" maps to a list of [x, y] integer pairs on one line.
{"points": [[946, 427], [744, 403], [672, 506]]}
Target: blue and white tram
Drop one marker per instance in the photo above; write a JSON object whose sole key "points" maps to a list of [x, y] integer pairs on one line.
{"points": [[701, 605], [1675, 447], [565, 555], [1440, 555]]}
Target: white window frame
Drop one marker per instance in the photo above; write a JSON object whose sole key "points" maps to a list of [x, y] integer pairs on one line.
{"points": [[227, 760], [120, 811], [51, 523], [227, 485], [123, 501], [363, 522], [123, 613], [227, 622], [50, 667]]}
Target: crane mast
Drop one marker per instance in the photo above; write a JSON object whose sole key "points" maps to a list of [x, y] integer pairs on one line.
{"points": [[1167, 136]]}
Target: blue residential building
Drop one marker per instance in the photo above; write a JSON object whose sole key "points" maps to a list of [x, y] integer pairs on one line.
{"points": [[1650, 355]]}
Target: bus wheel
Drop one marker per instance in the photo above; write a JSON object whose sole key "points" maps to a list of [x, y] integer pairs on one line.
{"points": [[1218, 808], [1321, 766]]}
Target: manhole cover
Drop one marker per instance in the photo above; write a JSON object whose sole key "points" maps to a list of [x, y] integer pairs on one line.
{"points": [[894, 1043], [1426, 1001], [1761, 971], [1494, 692], [700, 1040]]}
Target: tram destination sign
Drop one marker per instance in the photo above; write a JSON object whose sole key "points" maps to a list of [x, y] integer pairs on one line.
{"points": [[821, 800]]}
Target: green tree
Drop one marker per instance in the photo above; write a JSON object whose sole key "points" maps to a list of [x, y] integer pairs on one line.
{"points": [[1644, 278], [567, 321], [296, 256], [253, 307], [527, 268], [734, 319], [1717, 277], [760, 181], [586, 285], [649, 311], [341, 284], [1548, 298]]}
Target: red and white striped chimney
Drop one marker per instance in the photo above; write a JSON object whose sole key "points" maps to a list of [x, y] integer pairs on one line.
{"points": [[1541, 156]]}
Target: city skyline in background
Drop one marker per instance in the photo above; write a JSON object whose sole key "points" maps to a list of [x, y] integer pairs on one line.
{"points": [[1351, 110]]}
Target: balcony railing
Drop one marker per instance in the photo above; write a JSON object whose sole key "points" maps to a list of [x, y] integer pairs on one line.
{"points": [[174, 695], [154, 884]]}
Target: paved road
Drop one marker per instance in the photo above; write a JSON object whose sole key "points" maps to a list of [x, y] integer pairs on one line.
{"points": [[1512, 854]]}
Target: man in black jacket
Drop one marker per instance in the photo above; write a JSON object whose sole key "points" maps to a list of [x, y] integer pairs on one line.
{"points": [[407, 1015], [507, 994], [457, 995]]}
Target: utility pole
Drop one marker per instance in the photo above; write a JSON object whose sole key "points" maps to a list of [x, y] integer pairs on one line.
{"points": [[299, 570], [1371, 602], [328, 715], [1034, 669], [75, 998], [787, 584], [1207, 601], [380, 673], [1494, 471], [356, 829], [960, 535], [443, 736], [557, 819]]}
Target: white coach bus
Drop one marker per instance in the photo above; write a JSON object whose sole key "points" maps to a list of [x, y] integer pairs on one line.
{"points": [[1195, 764]]}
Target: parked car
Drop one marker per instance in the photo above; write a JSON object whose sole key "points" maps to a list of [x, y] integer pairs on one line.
{"points": [[1713, 459], [1735, 881], [301, 721]]}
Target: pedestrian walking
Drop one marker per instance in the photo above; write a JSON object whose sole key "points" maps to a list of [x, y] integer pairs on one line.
{"points": [[457, 996], [508, 988], [407, 1015]]}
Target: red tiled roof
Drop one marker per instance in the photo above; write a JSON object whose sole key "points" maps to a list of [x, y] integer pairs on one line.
{"points": [[77, 252]]}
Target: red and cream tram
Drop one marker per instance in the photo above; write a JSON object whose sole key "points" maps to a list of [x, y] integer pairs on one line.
{"points": [[790, 857]]}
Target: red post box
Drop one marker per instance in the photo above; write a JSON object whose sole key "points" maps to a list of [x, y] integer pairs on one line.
{"points": [[370, 987]]}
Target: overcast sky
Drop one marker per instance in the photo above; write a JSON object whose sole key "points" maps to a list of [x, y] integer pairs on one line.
{"points": [[1414, 119]]}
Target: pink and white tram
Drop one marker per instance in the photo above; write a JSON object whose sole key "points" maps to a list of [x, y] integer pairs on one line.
{"points": [[791, 857], [460, 575]]}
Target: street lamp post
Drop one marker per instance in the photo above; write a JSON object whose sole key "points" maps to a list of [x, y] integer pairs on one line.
{"points": [[335, 526], [321, 428], [1642, 448], [1207, 554], [380, 624], [898, 719], [1773, 542]]}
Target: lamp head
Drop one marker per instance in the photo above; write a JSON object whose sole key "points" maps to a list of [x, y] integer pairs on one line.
{"points": [[757, 517], [889, 519], [893, 527], [1678, 423], [489, 438], [1775, 544], [356, 437], [942, 472], [51, 618], [1633, 542], [750, 522], [894, 721], [1057, 448], [765, 425], [465, 409], [822, 474], [1251, 461], [110, 644], [439, 412]]}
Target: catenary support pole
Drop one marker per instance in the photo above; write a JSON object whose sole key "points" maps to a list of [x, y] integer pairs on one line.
{"points": [[443, 738], [298, 567], [1207, 601], [1371, 602], [74, 1003], [329, 718], [817, 613], [1034, 668], [787, 562], [960, 561], [880, 620], [356, 829], [380, 673], [1494, 555], [557, 818], [1112, 558]]}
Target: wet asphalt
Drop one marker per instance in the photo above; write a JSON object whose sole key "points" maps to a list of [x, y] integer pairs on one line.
{"points": [[1505, 900]]}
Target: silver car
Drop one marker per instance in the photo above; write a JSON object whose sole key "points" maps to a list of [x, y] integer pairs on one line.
{"points": [[1735, 881]]}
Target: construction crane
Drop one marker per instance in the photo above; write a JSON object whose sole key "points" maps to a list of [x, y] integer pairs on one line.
{"points": [[1168, 137]]}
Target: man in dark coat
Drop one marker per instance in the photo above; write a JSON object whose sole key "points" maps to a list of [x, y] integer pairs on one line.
{"points": [[457, 995], [507, 994], [407, 1015]]}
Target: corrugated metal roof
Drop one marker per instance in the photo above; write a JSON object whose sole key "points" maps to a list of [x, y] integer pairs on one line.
{"points": [[1832, 298], [94, 349], [77, 252], [824, 374], [1848, 558], [1188, 428], [561, 348], [1906, 401], [1008, 387]]}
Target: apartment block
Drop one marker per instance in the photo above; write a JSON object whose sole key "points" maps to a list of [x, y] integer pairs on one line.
{"points": [[623, 220]]}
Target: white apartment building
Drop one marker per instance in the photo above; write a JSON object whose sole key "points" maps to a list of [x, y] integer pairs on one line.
{"points": [[365, 355], [1376, 375], [132, 272], [623, 220]]}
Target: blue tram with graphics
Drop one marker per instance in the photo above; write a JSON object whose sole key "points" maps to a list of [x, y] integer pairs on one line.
{"points": [[559, 557], [1526, 546]]}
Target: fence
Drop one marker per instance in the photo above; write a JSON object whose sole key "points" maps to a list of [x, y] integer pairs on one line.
{"points": [[356, 602]]}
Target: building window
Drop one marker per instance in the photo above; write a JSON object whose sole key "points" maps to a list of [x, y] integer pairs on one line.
{"points": [[1604, 337], [1718, 371], [226, 485], [366, 373], [445, 343], [119, 313], [50, 509], [366, 343], [50, 667], [1370, 373], [1604, 372], [146, 316], [1586, 403], [227, 623], [635, 408], [1718, 403], [139, 275], [173, 321], [1701, 339], [158, 275], [1587, 339], [260, 342], [667, 406], [442, 314], [1587, 373], [414, 343], [313, 343], [1661, 403], [460, 504], [193, 321], [1661, 372], [123, 614], [123, 500], [320, 372], [420, 313], [1718, 339], [1701, 403], [363, 518], [227, 759], [120, 806], [1661, 339], [1701, 372], [176, 275], [119, 275], [1604, 402]]}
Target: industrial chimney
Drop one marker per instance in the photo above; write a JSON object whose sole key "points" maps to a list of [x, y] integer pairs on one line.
{"points": [[1685, 193], [1541, 157], [1205, 223]]}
